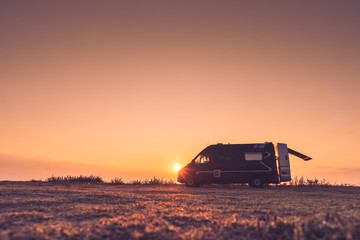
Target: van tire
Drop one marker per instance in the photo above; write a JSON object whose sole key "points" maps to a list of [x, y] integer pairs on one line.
{"points": [[190, 182], [256, 182]]}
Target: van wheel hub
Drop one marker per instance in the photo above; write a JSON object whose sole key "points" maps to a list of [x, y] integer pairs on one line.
{"points": [[256, 182], [191, 183]]}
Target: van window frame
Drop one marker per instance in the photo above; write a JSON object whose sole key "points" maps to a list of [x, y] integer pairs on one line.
{"points": [[199, 159], [253, 156]]}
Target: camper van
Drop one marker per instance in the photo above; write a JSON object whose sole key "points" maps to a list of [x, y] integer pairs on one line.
{"points": [[256, 164]]}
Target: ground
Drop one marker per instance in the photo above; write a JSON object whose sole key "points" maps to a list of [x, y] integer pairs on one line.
{"points": [[102, 211]]}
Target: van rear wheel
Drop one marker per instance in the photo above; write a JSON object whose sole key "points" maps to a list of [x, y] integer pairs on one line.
{"points": [[256, 182], [190, 182]]}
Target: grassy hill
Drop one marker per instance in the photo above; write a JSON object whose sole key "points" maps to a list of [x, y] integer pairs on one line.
{"points": [[88, 211]]}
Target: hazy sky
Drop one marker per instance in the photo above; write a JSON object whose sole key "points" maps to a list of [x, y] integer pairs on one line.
{"points": [[142, 85]]}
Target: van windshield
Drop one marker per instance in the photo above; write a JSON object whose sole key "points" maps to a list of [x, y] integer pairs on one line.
{"points": [[201, 159]]}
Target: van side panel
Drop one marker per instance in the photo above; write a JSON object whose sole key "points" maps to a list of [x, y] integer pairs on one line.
{"points": [[239, 163]]}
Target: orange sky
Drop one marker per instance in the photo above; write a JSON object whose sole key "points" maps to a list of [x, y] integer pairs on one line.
{"points": [[135, 87]]}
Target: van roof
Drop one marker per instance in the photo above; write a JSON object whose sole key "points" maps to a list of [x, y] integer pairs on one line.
{"points": [[229, 146]]}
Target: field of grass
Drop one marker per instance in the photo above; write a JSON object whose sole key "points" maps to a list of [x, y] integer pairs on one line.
{"points": [[46, 210]]}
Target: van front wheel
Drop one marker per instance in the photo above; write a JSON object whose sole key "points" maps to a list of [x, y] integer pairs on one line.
{"points": [[256, 182], [190, 182]]}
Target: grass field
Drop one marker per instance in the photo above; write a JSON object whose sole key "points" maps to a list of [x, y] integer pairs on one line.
{"points": [[102, 211]]}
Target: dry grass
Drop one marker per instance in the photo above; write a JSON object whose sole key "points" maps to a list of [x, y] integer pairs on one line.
{"points": [[102, 211], [97, 179], [76, 179], [301, 181], [314, 182]]}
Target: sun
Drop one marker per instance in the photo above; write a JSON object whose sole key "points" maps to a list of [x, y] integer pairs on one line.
{"points": [[177, 167]]}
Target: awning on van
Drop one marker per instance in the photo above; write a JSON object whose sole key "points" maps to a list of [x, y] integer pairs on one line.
{"points": [[300, 155]]}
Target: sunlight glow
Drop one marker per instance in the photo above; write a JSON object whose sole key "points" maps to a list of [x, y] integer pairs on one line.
{"points": [[177, 167]]}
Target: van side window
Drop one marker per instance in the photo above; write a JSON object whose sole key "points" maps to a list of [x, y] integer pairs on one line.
{"points": [[202, 159], [253, 156]]}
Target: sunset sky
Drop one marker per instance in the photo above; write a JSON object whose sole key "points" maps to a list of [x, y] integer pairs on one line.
{"points": [[131, 88]]}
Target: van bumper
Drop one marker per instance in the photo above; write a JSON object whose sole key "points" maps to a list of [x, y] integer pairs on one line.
{"points": [[180, 179]]}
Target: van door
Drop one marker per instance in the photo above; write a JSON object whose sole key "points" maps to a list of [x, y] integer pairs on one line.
{"points": [[284, 163], [204, 168]]}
